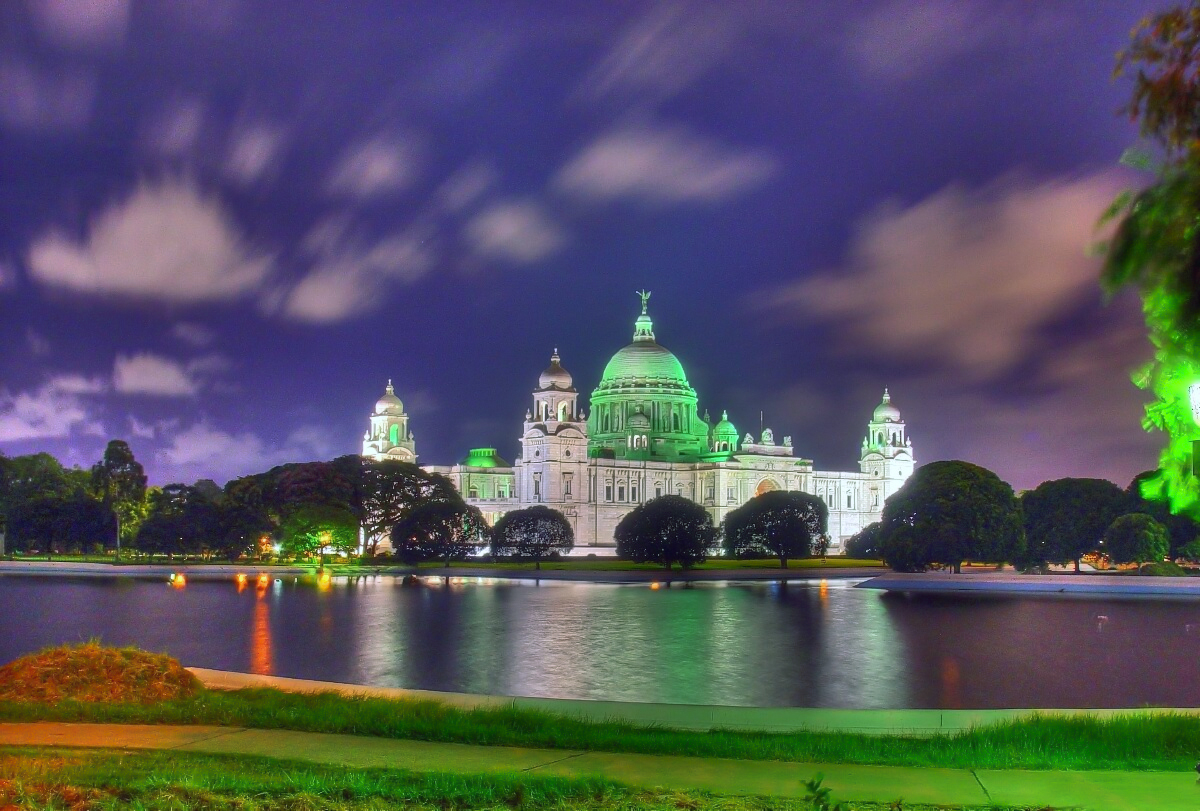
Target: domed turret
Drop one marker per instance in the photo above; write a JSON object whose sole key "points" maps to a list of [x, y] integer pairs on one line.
{"points": [[644, 363], [389, 403], [555, 376], [725, 435], [885, 411]]}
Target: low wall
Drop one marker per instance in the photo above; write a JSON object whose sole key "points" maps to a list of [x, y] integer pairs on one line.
{"points": [[685, 716]]}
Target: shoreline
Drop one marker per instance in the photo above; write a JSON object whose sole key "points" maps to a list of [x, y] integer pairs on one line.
{"points": [[695, 717], [1010, 583]]}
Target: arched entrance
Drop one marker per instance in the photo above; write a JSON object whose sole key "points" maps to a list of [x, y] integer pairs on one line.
{"points": [[766, 486]]}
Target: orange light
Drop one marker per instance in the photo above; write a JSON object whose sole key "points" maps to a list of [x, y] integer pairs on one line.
{"points": [[325, 581], [240, 579], [178, 580], [654, 587]]}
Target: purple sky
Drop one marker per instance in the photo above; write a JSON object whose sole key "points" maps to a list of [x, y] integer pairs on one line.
{"points": [[225, 224]]}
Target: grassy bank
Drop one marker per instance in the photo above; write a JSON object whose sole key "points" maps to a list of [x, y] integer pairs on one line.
{"points": [[1144, 743], [162, 781]]}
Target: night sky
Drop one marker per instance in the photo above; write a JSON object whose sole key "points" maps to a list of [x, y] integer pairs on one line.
{"points": [[224, 225]]}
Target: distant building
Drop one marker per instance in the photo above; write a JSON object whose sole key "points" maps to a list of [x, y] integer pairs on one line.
{"points": [[644, 437]]}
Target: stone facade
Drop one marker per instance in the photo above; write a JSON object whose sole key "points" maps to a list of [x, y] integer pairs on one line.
{"points": [[643, 438]]}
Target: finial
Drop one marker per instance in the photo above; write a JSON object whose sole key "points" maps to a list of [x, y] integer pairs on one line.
{"points": [[390, 390], [724, 414], [645, 296], [555, 358], [887, 398]]}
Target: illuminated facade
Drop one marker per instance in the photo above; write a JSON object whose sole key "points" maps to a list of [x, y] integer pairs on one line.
{"points": [[643, 437]]}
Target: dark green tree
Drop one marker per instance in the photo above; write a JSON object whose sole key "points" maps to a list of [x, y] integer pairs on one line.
{"points": [[1066, 518], [57, 524], [314, 528], [391, 490], [948, 512], [532, 533], [1135, 538], [1182, 528], [439, 530], [780, 523], [119, 482], [181, 520], [666, 530], [865, 545]]}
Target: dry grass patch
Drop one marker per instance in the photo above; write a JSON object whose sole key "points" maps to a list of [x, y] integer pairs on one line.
{"points": [[91, 672]]}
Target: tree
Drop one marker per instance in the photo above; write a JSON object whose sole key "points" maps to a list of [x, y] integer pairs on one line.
{"points": [[1182, 528], [181, 521], [666, 530], [865, 545], [948, 512], [54, 523], [391, 490], [316, 527], [780, 523], [439, 530], [534, 533], [1155, 247], [1066, 518], [1190, 551], [1135, 538], [119, 481]]}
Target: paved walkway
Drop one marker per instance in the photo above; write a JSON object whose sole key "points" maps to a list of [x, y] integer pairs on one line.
{"points": [[686, 716], [1097, 791]]}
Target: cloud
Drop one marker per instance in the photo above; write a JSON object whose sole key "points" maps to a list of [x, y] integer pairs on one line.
{"points": [[517, 231], [164, 242], [192, 334], [349, 274], [36, 343], [54, 410], [140, 429], [375, 167], [205, 451], [45, 101], [964, 278], [147, 373], [662, 165], [663, 51], [174, 131], [253, 150], [88, 23], [466, 186]]}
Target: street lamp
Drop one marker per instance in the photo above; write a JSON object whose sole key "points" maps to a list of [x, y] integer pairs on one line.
{"points": [[1194, 396]]}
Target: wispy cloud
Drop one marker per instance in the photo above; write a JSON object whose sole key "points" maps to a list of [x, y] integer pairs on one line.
{"points": [[203, 451], [176, 128], [165, 242], [45, 100], [89, 23], [54, 410], [966, 278], [193, 334], [147, 373], [662, 165], [375, 167], [516, 231], [254, 150]]}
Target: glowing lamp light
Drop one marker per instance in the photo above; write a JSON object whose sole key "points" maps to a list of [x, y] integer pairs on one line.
{"points": [[178, 580]]}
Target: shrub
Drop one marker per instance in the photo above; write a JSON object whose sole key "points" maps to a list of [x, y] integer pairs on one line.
{"points": [[93, 673]]}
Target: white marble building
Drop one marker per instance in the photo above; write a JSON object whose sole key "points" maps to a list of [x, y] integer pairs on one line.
{"points": [[643, 437]]}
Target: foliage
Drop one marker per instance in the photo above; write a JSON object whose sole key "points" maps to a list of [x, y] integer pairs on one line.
{"points": [[1163, 568], [119, 481], [1190, 551], [314, 527], [1135, 538], [1066, 518], [532, 533], [780, 522], [390, 491], [1134, 741], [186, 520], [58, 524], [1182, 527], [36, 476], [865, 544], [666, 530], [819, 797], [439, 530], [1155, 248], [948, 512], [92, 672]]}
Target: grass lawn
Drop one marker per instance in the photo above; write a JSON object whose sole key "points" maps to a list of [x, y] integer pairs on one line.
{"points": [[83, 780], [1160, 743]]}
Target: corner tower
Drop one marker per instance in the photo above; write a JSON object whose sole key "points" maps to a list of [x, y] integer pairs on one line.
{"points": [[887, 452], [389, 436], [553, 464], [644, 407]]}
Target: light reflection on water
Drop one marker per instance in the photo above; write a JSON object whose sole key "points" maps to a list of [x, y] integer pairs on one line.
{"points": [[812, 643]]}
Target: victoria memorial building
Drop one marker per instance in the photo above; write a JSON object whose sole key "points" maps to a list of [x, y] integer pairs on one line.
{"points": [[641, 437]]}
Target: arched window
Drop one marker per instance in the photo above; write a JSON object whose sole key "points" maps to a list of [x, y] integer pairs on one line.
{"points": [[394, 433], [881, 437], [675, 420], [562, 411], [473, 492]]}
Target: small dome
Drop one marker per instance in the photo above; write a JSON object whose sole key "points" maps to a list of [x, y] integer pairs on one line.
{"points": [[555, 376], [725, 427], [389, 403], [483, 457], [885, 411], [639, 420]]}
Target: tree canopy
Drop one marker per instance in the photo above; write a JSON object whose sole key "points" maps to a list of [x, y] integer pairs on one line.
{"points": [[119, 481], [439, 530], [1065, 519], [1135, 538], [666, 530], [780, 523], [948, 512], [865, 544], [532, 533]]}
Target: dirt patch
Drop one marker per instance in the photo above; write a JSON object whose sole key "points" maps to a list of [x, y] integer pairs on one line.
{"points": [[94, 673]]}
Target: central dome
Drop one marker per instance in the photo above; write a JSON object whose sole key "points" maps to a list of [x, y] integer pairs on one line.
{"points": [[643, 363]]}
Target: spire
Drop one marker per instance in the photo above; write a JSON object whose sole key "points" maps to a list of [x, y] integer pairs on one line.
{"points": [[555, 358], [887, 398], [389, 388], [643, 328]]}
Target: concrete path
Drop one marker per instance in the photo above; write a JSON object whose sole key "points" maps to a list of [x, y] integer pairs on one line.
{"points": [[1097, 791], [1000, 582], [686, 716]]}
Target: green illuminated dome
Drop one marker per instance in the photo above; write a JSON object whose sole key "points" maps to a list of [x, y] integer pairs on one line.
{"points": [[643, 363]]}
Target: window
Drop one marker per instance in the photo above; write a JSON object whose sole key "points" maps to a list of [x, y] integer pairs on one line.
{"points": [[608, 492], [620, 492], [730, 494], [849, 501], [657, 490], [473, 492], [712, 492], [566, 484], [394, 433], [675, 421], [633, 492], [537, 486]]}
